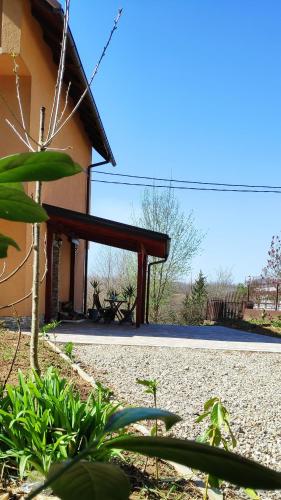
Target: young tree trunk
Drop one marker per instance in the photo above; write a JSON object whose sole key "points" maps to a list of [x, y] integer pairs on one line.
{"points": [[35, 317]]}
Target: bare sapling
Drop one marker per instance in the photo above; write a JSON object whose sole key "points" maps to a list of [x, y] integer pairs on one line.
{"points": [[56, 123]]}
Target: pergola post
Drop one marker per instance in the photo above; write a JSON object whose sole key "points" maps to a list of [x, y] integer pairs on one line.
{"points": [[144, 275], [141, 287], [49, 275], [72, 272]]}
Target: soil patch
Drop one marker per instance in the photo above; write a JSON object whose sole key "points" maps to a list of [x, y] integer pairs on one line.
{"points": [[47, 357]]}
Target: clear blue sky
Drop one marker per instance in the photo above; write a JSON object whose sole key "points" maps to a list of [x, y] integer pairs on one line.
{"points": [[193, 90]]}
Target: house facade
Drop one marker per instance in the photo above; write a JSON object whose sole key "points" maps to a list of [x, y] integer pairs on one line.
{"points": [[30, 35]]}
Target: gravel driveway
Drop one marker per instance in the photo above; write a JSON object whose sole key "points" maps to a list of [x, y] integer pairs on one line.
{"points": [[249, 384]]}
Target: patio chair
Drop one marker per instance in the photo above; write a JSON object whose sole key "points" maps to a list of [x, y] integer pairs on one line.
{"points": [[128, 314], [105, 313]]}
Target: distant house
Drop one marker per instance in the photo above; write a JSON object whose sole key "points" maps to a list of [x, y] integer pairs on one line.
{"points": [[32, 29]]}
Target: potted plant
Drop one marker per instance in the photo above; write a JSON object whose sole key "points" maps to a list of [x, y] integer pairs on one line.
{"points": [[112, 294], [128, 293], [93, 312]]}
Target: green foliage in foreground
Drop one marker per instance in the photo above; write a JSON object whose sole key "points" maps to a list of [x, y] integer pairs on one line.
{"points": [[105, 485], [44, 425], [218, 433], [5, 242], [39, 166], [43, 421], [15, 205]]}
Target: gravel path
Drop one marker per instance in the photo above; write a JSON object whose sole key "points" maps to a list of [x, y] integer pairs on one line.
{"points": [[249, 384]]}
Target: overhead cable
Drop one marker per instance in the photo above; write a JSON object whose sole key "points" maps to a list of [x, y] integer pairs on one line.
{"points": [[192, 188], [181, 181]]}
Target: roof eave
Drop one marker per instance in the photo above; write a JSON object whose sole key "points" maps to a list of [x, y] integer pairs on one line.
{"points": [[100, 144]]}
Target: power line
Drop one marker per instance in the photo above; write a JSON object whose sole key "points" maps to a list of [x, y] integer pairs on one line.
{"points": [[187, 188], [181, 181]]}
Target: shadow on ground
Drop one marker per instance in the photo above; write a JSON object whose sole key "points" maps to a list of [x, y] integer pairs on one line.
{"points": [[216, 332]]}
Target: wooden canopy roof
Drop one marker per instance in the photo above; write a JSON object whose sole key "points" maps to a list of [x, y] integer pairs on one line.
{"points": [[108, 232]]}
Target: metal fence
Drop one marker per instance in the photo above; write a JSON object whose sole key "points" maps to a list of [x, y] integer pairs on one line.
{"points": [[264, 293]]}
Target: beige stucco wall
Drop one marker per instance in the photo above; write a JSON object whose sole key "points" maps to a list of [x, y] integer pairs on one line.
{"points": [[11, 20], [37, 82]]}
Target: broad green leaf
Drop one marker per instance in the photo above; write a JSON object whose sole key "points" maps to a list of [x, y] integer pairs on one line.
{"points": [[210, 403], [13, 185], [153, 430], [233, 438], [87, 480], [17, 206], [214, 481], [22, 464], [251, 494], [202, 416], [129, 416], [217, 438], [217, 415], [5, 242], [216, 461], [144, 382], [40, 166]]}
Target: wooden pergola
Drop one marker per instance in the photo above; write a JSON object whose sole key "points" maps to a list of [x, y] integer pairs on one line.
{"points": [[107, 232]]}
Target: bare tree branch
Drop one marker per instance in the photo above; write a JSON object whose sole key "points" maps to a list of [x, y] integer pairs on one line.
{"points": [[3, 270], [19, 101], [65, 103], [51, 137], [12, 304], [17, 268], [3, 99], [59, 82], [17, 133], [59, 149]]}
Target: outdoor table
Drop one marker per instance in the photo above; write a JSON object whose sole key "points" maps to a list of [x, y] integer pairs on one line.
{"points": [[115, 305]]}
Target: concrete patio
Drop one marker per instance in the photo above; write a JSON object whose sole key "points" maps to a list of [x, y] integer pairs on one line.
{"points": [[192, 337]]}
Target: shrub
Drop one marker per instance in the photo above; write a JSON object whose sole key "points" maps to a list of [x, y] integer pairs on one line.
{"points": [[43, 421], [194, 305]]}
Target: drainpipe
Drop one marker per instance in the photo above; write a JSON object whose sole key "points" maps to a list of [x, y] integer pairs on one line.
{"points": [[105, 162], [148, 285], [88, 199]]}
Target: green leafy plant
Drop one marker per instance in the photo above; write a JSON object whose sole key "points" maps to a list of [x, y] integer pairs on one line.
{"points": [[96, 286], [68, 350], [44, 421], [151, 386], [5, 242], [215, 461], [106, 483], [128, 293], [46, 329], [217, 433], [15, 205], [276, 322], [213, 434], [112, 294]]}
